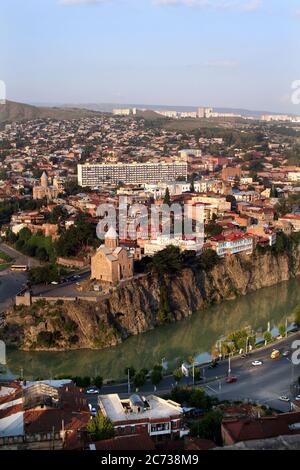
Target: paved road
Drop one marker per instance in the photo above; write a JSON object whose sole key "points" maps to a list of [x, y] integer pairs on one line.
{"points": [[12, 282], [264, 384], [67, 289]]}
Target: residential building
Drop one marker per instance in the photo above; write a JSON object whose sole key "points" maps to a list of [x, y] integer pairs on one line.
{"points": [[158, 418], [232, 244], [94, 175], [293, 219], [245, 429], [43, 415]]}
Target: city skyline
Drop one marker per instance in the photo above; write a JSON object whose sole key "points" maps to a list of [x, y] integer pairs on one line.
{"points": [[233, 53]]}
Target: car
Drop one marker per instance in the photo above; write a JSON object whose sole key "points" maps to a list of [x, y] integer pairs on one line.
{"points": [[231, 379], [55, 283], [93, 411], [286, 353], [257, 363], [92, 391], [284, 398], [213, 365], [297, 398]]}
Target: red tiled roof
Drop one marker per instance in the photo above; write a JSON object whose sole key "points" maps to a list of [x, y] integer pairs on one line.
{"points": [[247, 429], [122, 443]]}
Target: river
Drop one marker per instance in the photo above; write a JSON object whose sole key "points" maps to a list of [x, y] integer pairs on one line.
{"points": [[193, 336]]}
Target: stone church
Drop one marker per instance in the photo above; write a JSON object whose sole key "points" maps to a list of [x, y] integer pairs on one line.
{"points": [[111, 263]]}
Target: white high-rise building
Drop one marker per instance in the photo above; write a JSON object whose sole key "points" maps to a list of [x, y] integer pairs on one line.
{"points": [[130, 173]]}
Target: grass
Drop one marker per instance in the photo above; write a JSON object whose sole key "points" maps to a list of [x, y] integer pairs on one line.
{"points": [[4, 266], [5, 256]]}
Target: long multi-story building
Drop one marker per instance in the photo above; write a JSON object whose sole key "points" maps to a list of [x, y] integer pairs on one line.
{"points": [[96, 174]]}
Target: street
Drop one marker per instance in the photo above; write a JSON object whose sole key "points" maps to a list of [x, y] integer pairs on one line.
{"points": [[263, 384]]}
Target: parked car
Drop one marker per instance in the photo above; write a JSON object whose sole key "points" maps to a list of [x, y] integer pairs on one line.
{"points": [[297, 398], [55, 283], [284, 398], [231, 379], [286, 353], [257, 363]]}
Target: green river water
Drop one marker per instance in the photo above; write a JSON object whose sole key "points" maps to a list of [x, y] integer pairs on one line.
{"points": [[193, 336]]}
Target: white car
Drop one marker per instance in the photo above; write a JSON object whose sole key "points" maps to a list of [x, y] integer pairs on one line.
{"points": [[257, 363], [92, 391], [284, 398], [55, 283], [297, 398]]}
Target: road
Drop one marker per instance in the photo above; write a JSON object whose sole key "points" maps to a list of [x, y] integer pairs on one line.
{"points": [[12, 282], [67, 289], [263, 384]]}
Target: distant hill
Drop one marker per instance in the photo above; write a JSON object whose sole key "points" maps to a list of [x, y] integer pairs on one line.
{"points": [[15, 112]]}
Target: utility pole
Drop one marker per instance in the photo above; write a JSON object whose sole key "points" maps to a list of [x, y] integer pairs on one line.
{"points": [[229, 369], [193, 373], [128, 378], [286, 327]]}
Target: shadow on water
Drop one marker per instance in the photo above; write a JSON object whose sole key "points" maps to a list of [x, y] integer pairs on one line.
{"points": [[195, 335]]}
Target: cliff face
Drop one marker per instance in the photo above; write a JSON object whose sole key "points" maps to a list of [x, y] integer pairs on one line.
{"points": [[134, 308]]}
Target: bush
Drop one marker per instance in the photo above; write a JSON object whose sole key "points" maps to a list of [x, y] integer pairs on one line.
{"points": [[100, 428]]}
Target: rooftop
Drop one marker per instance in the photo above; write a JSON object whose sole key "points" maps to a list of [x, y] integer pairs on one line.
{"points": [[159, 408]]}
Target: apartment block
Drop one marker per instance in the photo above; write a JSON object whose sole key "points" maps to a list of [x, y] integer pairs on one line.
{"points": [[127, 173]]}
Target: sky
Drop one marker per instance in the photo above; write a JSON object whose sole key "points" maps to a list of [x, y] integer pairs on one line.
{"points": [[222, 53]]}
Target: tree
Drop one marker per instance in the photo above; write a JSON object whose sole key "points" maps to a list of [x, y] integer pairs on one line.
{"points": [[41, 254], [25, 234], [167, 198], [167, 261], [139, 379], [296, 315], [268, 337], [100, 427], [177, 374], [98, 381], [281, 330], [212, 229], [156, 376], [164, 314], [209, 427]]}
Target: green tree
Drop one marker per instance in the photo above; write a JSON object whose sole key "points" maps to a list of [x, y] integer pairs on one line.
{"points": [[100, 427], [139, 379], [167, 198], [209, 427], [212, 229], [164, 314], [98, 381], [296, 315], [281, 330], [156, 376], [177, 374], [268, 336]]}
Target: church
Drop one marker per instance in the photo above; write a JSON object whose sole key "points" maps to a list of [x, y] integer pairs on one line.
{"points": [[111, 263]]}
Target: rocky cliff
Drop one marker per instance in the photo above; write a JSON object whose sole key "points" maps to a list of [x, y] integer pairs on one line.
{"points": [[134, 308]]}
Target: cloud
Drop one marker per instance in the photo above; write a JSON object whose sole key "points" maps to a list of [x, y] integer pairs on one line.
{"points": [[240, 5]]}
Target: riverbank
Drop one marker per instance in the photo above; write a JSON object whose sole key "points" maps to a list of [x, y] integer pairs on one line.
{"points": [[174, 343], [145, 303]]}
